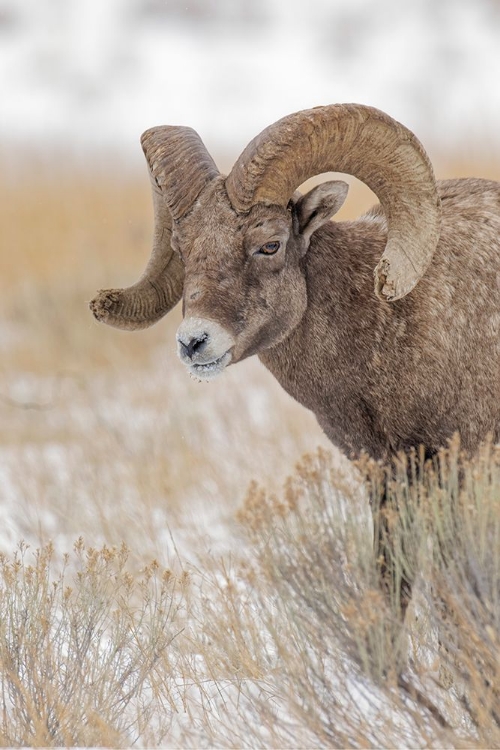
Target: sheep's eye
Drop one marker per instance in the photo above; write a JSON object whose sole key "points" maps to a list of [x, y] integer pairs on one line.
{"points": [[270, 248]]}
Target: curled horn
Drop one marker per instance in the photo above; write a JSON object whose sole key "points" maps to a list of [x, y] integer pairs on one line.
{"points": [[363, 142], [179, 168]]}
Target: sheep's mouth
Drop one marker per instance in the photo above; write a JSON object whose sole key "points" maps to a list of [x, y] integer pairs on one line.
{"points": [[209, 370]]}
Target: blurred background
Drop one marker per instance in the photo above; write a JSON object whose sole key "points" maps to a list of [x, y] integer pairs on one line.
{"points": [[93, 75], [103, 434]]}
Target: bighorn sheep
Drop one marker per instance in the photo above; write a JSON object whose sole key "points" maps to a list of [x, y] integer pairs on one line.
{"points": [[262, 270]]}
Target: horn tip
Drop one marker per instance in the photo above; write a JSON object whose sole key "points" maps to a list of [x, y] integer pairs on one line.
{"points": [[384, 288], [104, 301], [106, 307], [395, 283]]}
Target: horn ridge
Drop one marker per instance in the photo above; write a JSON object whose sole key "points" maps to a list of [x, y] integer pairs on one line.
{"points": [[179, 164]]}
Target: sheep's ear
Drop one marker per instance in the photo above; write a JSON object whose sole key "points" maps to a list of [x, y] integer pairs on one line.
{"points": [[319, 205]]}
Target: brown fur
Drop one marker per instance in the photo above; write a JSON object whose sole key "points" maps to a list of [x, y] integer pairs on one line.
{"points": [[380, 377]]}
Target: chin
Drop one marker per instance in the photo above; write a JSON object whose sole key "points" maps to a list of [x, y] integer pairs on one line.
{"points": [[205, 371]]}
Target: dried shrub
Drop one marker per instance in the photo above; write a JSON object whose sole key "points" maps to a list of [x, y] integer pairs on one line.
{"points": [[80, 650], [322, 640]]}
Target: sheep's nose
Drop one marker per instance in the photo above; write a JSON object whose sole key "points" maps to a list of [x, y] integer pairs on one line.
{"points": [[193, 345]]}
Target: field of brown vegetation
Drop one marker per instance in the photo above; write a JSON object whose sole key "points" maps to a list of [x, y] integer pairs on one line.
{"points": [[174, 571]]}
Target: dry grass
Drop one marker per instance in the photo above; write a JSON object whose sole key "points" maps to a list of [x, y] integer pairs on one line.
{"points": [[278, 636], [79, 651], [307, 622]]}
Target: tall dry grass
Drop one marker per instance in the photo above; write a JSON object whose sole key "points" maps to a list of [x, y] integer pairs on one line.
{"points": [[79, 651], [307, 621], [290, 644], [270, 629]]}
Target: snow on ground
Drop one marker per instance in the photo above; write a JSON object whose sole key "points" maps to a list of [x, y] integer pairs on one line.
{"points": [[161, 467]]}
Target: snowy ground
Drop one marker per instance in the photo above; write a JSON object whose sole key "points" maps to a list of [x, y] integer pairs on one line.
{"points": [[110, 459]]}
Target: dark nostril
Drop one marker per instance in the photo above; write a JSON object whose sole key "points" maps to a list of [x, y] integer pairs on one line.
{"points": [[194, 345]]}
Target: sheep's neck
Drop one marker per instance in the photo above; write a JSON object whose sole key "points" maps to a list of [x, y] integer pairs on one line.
{"points": [[327, 360]]}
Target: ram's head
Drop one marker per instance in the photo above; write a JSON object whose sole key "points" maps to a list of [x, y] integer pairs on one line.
{"points": [[234, 249]]}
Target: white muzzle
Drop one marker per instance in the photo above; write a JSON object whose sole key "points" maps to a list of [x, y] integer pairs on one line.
{"points": [[204, 346]]}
